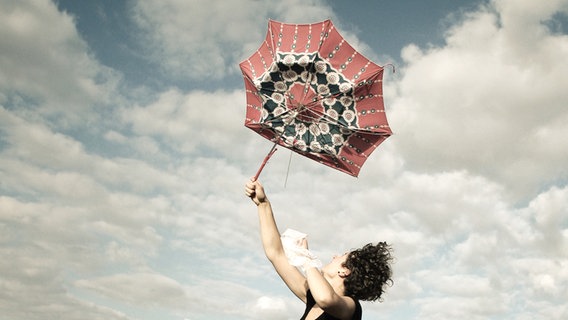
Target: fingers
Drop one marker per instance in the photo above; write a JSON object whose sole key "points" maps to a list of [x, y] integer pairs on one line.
{"points": [[255, 191], [250, 188], [253, 185], [254, 182], [304, 243], [250, 185]]}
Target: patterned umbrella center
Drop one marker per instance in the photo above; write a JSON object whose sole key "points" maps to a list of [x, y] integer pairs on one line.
{"points": [[297, 101], [308, 102]]}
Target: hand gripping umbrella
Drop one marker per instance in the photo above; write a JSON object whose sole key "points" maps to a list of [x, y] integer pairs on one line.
{"points": [[310, 91]]}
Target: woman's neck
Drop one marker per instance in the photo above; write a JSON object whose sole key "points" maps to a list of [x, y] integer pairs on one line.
{"points": [[336, 283]]}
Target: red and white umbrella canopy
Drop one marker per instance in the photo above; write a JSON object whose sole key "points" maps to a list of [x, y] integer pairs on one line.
{"points": [[310, 91]]}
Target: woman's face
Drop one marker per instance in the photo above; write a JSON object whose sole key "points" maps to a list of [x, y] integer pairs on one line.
{"points": [[340, 258]]}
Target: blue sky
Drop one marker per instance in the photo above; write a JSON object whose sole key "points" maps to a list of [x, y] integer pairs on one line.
{"points": [[123, 157]]}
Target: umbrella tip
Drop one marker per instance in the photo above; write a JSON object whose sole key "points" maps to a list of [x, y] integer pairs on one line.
{"points": [[392, 67]]}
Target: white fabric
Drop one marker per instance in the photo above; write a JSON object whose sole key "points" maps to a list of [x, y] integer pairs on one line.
{"points": [[298, 256]]}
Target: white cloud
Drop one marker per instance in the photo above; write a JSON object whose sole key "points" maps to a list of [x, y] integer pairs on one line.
{"points": [[44, 61], [192, 122], [142, 289], [490, 100], [219, 34], [270, 308]]}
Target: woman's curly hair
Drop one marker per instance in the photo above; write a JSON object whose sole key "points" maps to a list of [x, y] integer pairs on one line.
{"points": [[370, 271]]}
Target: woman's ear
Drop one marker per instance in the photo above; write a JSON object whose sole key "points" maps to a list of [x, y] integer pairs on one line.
{"points": [[343, 273]]}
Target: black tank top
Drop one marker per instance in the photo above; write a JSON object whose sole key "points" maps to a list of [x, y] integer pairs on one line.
{"points": [[310, 302]]}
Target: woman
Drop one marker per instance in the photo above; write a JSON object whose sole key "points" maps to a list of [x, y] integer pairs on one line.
{"points": [[335, 291]]}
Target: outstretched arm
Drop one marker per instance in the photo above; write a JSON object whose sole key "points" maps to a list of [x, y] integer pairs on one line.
{"points": [[271, 242]]}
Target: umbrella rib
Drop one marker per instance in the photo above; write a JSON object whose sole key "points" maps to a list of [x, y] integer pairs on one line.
{"points": [[321, 116], [324, 117]]}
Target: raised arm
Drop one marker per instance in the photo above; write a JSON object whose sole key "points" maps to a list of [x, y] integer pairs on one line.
{"points": [[271, 242]]}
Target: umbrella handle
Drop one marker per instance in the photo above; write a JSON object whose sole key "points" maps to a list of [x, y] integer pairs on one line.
{"points": [[270, 153]]}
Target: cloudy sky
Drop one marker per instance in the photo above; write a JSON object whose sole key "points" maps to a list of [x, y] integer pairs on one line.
{"points": [[123, 157]]}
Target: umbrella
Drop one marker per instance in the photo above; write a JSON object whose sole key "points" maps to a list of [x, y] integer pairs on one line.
{"points": [[310, 91]]}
